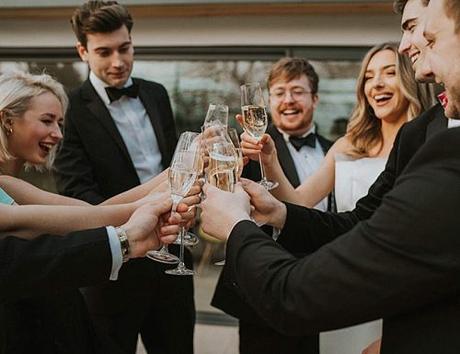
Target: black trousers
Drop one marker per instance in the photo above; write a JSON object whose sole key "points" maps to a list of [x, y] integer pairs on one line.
{"points": [[159, 307]]}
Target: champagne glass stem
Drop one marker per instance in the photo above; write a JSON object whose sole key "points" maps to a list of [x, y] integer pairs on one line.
{"points": [[182, 246], [262, 169]]}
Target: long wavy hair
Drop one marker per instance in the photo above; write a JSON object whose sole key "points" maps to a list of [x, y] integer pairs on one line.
{"points": [[364, 128]]}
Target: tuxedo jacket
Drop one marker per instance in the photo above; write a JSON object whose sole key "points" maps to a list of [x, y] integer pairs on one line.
{"points": [[401, 264], [52, 267], [93, 163], [225, 297]]}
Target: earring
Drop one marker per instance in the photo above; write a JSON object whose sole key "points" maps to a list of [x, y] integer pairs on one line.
{"points": [[9, 131]]}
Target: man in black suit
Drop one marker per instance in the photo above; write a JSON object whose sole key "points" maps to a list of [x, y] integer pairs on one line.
{"points": [[401, 264], [120, 132], [48, 266], [293, 88]]}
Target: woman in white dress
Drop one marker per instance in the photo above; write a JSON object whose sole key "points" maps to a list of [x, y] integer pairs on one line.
{"points": [[387, 97]]}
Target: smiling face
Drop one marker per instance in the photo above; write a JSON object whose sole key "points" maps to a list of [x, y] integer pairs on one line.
{"points": [[37, 132], [292, 104], [109, 55], [413, 43], [443, 51], [382, 87]]}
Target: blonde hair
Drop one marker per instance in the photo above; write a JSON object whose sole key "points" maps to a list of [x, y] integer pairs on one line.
{"points": [[16, 91], [364, 128]]}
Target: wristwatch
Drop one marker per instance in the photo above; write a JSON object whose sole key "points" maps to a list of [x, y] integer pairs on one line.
{"points": [[124, 243]]}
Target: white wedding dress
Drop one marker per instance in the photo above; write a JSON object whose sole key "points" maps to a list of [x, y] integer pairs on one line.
{"points": [[352, 181]]}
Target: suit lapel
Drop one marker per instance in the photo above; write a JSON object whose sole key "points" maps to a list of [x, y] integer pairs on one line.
{"points": [[148, 99], [101, 113], [438, 123], [284, 156]]}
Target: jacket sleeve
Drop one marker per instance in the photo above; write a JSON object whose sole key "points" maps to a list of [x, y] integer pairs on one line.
{"points": [[73, 172], [405, 256], [50, 263]]}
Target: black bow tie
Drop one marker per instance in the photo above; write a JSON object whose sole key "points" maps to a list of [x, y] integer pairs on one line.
{"points": [[298, 142], [116, 93]]}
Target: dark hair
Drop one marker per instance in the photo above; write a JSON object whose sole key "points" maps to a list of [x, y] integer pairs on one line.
{"points": [[399, 5], [97, 16], [452, 9], [292, 68]]}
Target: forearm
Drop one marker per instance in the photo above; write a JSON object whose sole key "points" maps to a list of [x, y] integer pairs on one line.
{"points": [[285, 191], [24, 193], [30, 221], [156, 184]]}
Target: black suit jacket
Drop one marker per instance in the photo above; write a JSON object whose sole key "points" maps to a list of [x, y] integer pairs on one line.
{"points": [[225, 297], [93, 163], [51, 268], [402, 264]]}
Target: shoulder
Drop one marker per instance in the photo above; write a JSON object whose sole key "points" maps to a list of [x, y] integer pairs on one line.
{"points": [[342, 145], [149, 84], [423, 120], [442, 147]]}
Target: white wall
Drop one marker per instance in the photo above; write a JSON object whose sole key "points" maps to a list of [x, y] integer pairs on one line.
{"points": [[208, 31]]}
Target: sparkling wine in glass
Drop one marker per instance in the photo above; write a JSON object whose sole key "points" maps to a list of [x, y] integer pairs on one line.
{"points": [[182, 175], [255, 120]]}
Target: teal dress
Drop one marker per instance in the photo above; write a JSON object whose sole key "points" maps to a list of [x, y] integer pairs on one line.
{"points": [[5, 198]]}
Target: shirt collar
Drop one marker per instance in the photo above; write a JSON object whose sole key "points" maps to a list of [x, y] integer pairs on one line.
{"points": [[286, 135], [100, 86], [452, 123]]}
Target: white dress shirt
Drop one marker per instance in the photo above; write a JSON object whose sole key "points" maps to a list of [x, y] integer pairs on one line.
{"points": [[134, 125], [452, 123], [306, 161]]}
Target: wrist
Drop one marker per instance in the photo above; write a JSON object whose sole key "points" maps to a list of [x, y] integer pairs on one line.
{"points": [[124, 243], [231, 225], [279, 216]]}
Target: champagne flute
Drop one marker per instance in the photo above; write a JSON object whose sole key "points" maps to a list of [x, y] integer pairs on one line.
{"points": [[255, 121], [233, 135], [184, 170], [182, 176], [238, 170], [217, 114]]}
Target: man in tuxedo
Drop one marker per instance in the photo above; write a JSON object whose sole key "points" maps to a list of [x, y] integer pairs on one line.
{"points": [[293, 89], [51, 265], [120, 132], [401, 264]]}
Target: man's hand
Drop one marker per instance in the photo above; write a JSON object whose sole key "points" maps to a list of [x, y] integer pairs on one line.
{"points": [[252, 147], [221, 210], [266, 208], [373, 348], [191, 201], [144, 227]]}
